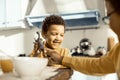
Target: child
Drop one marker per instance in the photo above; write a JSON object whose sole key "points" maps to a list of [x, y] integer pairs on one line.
{"points": [[53, 29]]}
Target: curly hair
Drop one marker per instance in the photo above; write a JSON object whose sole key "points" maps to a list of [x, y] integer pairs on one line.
{"points": [[115, 5], [51, 20]]}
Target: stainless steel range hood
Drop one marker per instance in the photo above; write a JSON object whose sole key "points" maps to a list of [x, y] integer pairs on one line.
{"points": [[75, 17], [84, 19]]}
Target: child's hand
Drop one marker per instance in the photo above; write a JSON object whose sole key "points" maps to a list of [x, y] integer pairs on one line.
{"points": [[54, 57]]}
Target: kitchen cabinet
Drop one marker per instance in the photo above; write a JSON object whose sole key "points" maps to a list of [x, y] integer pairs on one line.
{"points": [[2, 13], [11, 14]]}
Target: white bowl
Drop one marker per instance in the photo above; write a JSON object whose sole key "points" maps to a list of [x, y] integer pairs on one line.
{"points": [[29, 66]]}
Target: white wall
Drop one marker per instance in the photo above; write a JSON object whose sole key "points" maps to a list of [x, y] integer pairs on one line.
{"points": [[14, 42], [98, 37]]}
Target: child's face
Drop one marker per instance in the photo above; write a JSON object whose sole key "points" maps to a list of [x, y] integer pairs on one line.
{"points": [[54, 36]]}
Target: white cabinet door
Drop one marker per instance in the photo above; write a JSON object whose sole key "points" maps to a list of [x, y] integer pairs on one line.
{"points": [[11, 14], [2, 13]]}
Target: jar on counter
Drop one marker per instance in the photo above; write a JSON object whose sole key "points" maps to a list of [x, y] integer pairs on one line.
{"points": [[6, 64]]}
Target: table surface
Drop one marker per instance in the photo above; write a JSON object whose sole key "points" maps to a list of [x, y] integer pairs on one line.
{"points": [[49, 73]]}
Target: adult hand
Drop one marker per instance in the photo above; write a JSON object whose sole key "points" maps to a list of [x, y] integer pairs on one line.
{"points": [[54, 56]]}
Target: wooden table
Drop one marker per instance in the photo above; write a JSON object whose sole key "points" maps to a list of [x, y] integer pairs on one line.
{"points": [[63, 74]]}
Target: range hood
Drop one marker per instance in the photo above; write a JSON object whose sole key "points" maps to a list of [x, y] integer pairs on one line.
{"points": [[84, 19]]}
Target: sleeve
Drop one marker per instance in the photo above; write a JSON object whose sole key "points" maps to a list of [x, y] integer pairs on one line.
{"points": [[36, 54], [92, 66], [65, 52]]}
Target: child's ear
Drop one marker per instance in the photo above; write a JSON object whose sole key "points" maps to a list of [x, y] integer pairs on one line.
{"points": [[43, 35]]}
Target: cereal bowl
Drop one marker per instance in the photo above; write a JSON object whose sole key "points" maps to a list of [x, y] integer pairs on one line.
{"points": [[29, 66]]}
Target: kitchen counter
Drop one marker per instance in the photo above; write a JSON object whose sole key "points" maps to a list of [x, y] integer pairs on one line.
{"points": [[49, 73]]}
